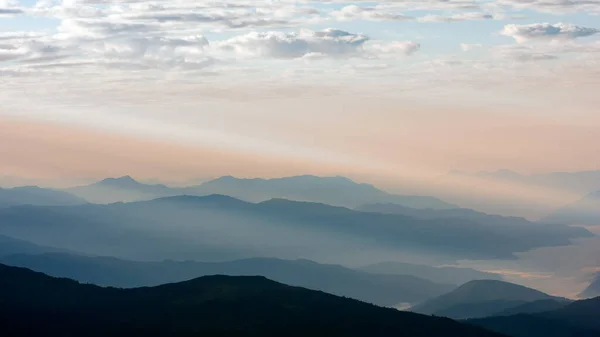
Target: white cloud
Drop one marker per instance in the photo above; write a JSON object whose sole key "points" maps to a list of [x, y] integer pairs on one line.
{"points": [[554, 6], [474, 16], [382, 49], [546, 31], [470, 46], [354, 12], [10, 8], [328, 42]]}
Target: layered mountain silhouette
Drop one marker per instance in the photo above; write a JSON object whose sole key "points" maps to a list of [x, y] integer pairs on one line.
{"points": [[33, 195], [220, 227], [481, 298], [506, 222], [385, 290], [338, 191], [11, 246], [583, 212], [583, 182], [593, 290], [451, 275], [578, 319], [34, 304], [534, 307]]}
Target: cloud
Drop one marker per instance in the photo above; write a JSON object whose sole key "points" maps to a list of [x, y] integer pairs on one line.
{"points": [[470, 46], [554, 6], [456, 17], [393, 48], [546, 31], [281, 45], [9, 8], [354, 12]]}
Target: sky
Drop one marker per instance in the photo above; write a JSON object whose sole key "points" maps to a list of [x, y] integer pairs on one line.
{"points": [[398, 90]]}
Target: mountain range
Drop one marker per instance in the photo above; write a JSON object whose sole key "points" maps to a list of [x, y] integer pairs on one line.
{"points": [[223, 228], [337, 191], [583, 212], [482, 298], [384, 290], [443, 274], [33, 195], [35, 304], [581, 183]]}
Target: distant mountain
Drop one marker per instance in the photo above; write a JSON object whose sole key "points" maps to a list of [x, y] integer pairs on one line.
{"points": [[583, 212], [337, 191], [578, 319], [593, 290], [534, 307], [123, 189], [481, 299], [34, 304], [574, 182], [385, 290], [451, 275], [33, 195], [488, 220], [10, 246], [224, 228]]}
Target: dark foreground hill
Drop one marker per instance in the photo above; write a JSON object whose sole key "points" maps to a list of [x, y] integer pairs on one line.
{"points": [[578, 319], [385, 290], [33, 304]]}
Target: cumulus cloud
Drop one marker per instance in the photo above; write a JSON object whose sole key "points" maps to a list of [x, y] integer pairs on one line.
{"points": [[328, 42], [470, 46], [546, 31], [9, 8], [554, 6], [354, 12], [395, 48], [474, 16]]}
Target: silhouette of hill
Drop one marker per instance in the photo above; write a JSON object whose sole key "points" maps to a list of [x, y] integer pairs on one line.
{"points": [[593, 290], [471, 215], [481, 298], [385, 290], [451, 275], [34, 304], [578, 319], [583, 182], [219, 227], [583, 212], [123, 189], [33, 195], [11, 246], [339, 191], [534, 307]]}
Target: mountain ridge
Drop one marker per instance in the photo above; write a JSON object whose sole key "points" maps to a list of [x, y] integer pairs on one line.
{"points": [[34, 304]]}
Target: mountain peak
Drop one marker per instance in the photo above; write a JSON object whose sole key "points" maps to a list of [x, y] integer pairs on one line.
{"points": [[121, 181]]}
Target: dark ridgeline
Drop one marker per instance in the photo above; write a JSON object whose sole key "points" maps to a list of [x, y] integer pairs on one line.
{"points": [[385, 290], [33, 304], [578, 319]]}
